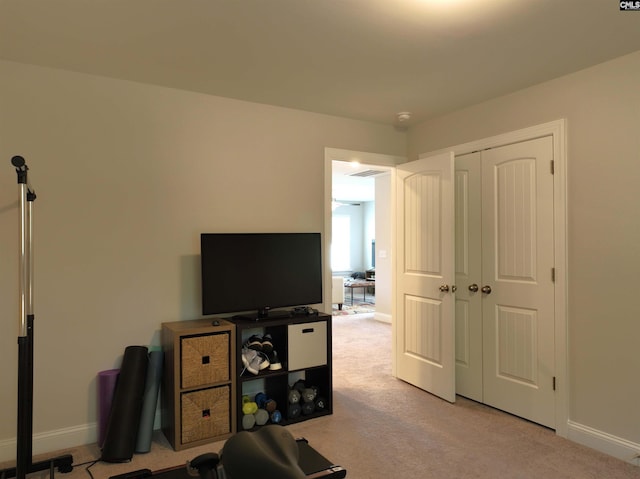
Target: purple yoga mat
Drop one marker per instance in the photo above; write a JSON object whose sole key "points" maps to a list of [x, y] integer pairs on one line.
{"points": [[106, 387]]}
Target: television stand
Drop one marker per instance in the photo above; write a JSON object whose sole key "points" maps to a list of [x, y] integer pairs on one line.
{"points": [[278, 315], [303, 346]]}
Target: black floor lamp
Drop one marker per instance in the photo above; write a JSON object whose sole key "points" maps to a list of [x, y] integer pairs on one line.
{"points": [[24, 458]]}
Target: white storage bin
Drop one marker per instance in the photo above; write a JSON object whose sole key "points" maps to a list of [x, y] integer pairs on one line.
{"points": [[307, 345]]}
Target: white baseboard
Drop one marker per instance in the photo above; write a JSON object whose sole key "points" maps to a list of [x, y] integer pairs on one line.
{"points": [[601, 441], [53, 441], [382, 317]]}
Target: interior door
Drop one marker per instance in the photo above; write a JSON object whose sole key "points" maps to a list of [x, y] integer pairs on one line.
{"points": [[517, 288], [425, 328], [468, 264]]}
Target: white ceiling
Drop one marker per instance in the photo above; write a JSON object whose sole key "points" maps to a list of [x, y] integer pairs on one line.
{"points": [[362, 59], [347, 187]]}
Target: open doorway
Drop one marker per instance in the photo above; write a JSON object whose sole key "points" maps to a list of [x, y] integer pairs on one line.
{"points": [[353, 241], [358, 226]]}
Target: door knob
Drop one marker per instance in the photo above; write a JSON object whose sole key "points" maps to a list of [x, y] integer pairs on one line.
{"points": [[473, 288], [444, 288], [486, 289]]}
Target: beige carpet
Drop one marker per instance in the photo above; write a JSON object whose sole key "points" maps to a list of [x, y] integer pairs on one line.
{"points": [[385, 428], [358, 308]]}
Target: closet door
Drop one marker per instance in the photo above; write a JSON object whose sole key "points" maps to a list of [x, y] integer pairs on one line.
{"points": [[468, 265], [424, 323], [517, 287]]}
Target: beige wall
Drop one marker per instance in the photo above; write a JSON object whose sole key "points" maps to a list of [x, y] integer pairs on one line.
{"points": [[127, 177], [602, 108]]}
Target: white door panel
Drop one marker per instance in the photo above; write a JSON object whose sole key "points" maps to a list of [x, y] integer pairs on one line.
{"points": [[518, 315], [468, 266], [425, 239]]}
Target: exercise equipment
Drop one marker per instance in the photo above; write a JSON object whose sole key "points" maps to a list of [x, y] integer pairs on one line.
{"points": [[271, 452], [205, 465], [26, 320]]}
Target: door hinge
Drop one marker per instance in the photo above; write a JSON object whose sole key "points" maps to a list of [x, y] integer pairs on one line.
{"points": [[554, 383], [553, 168], [553, 275]]}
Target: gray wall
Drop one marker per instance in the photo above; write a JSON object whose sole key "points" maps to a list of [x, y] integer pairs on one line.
{"points": [[127, 177], [602, 109]]}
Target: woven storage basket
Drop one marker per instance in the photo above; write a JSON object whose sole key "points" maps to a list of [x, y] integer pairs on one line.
{"points": [[205, 414], [205, 359]]}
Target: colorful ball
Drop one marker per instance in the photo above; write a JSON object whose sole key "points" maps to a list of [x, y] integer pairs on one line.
{"points": [[261, 399], [270, 405], [249, 407], [276, 416], [262, 417], [248, 421]]}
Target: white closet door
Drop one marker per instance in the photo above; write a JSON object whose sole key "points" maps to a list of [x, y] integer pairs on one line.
{"points": [[468, 264], [518, 312], [425, 342]]}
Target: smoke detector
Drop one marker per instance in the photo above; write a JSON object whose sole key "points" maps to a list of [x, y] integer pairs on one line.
{"points": [[403, 116]]}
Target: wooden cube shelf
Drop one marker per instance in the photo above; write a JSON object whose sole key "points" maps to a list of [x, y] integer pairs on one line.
{"points": [[199, 392]]}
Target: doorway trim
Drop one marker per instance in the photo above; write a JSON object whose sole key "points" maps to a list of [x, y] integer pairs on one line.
{"points": [[557, 130]]}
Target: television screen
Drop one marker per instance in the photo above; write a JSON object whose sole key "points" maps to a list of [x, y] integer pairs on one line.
{"points": [[244, 272]]}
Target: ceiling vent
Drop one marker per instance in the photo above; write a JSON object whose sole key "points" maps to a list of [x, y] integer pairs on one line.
{"points": [[367, 173]]}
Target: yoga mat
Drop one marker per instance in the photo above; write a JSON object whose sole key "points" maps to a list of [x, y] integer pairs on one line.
{"points": [[106, 387], [150, 401], [124, 418]]}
